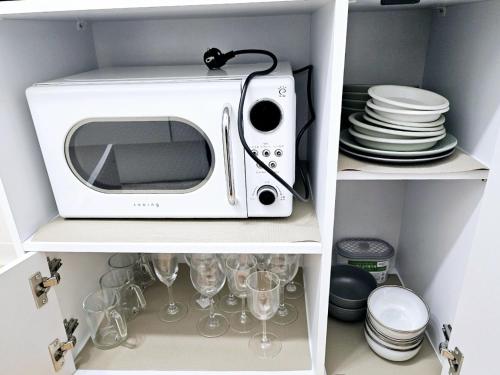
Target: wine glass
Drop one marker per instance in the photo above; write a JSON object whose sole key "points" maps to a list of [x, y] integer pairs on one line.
{"points": [[263, 261], [228, 303], [294, 289], [285, 266], [263, 302], [199, 301], [239, 267], [208, 278], [166, 268]]}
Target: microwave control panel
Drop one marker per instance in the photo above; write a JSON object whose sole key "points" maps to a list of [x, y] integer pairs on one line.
{"points": [[270, 132]]}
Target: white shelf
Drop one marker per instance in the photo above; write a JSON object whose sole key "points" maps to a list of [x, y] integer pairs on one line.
{"points": [[298, 233], [347, 352], [459, 166], [175, 347], [136, 9]]}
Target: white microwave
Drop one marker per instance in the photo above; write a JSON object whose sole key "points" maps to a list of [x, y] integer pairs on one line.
{"points": [[162, 142]]}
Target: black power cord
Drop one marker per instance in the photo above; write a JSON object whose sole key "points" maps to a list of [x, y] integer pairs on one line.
{"points": [[215, 59]]}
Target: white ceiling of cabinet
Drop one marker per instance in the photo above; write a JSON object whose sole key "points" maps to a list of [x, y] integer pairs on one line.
{"points": [[150, 9], [375, 4]]}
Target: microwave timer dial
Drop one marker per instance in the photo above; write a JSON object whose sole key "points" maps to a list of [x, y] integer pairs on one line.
{"points": [[267, 195]]}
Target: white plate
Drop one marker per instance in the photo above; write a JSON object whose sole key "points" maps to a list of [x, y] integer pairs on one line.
{"points": [[405, 97], [446, 144], [355, 96], [369, 120], [406, 115], [359, 104], [378, 131], [390, 354], [440, 121], [397, 312], [395, 160], [392, 144]]}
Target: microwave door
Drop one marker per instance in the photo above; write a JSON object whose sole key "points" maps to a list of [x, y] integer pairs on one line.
{"points": [[180, 158]]}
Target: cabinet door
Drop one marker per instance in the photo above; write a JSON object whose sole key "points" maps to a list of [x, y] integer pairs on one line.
{"points": [[476, 327], [27, 331]]}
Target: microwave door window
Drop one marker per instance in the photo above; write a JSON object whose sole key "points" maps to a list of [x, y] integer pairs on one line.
{"points": [[170, 155]]}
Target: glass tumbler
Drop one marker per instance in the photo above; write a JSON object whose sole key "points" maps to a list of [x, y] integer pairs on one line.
{"points": [[107, 326], [132, 300], [140, 264]]}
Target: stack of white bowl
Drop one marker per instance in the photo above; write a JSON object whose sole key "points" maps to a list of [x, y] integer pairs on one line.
{"points": [[400, 124], [395, 322]]}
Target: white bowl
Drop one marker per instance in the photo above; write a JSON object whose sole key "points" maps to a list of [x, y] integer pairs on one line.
{"points": [[440, 121], [377, 131], [405, 97], [391, 354], [406, 115], [393, 344], [391, 144], [359, 104], [397, 312], [369, 120]]}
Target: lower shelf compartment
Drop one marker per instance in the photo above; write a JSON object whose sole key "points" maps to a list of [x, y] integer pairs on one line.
{"points": [[157, 346], [347, 352]]}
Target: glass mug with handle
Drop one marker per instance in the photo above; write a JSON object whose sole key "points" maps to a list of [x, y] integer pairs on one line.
{"points": [[132, 300], [140, 265], [107, 325]]}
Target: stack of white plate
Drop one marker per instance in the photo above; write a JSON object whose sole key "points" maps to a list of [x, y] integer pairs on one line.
{"points": [[395, 323], [401, 125], [354, 98]]}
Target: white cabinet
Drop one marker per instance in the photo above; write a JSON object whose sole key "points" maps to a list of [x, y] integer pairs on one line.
{"points": [[440, 217]]}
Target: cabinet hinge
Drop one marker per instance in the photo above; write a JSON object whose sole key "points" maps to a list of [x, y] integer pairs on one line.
{"points": [[455, 357], [57, 348], [41, 285]]}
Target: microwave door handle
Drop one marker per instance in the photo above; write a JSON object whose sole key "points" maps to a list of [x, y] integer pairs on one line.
{"points": [[228, 163]]}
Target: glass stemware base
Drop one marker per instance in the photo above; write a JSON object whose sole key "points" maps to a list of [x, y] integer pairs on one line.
{"points": [[294, 290], [285, 316], [230, 304], [242, 324], [195, 305], [213, 327], [268, 347], [172, 313]]}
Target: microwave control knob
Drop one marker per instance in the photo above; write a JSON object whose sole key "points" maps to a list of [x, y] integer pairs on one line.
{"points": [[267, 195]]}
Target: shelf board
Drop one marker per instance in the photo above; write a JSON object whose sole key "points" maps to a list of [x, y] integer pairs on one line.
{"points": [[175, 347], [347, 352], [459, 166], [298, 233], [149, 9]]}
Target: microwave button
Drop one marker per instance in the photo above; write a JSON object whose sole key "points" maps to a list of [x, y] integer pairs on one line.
{"points": [[267, 195]]}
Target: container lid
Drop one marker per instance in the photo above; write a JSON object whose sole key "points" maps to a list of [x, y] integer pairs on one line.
{"points": [[364, 248]]}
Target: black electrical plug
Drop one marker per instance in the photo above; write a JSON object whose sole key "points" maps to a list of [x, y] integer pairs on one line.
{"points": [[215, 59]]}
